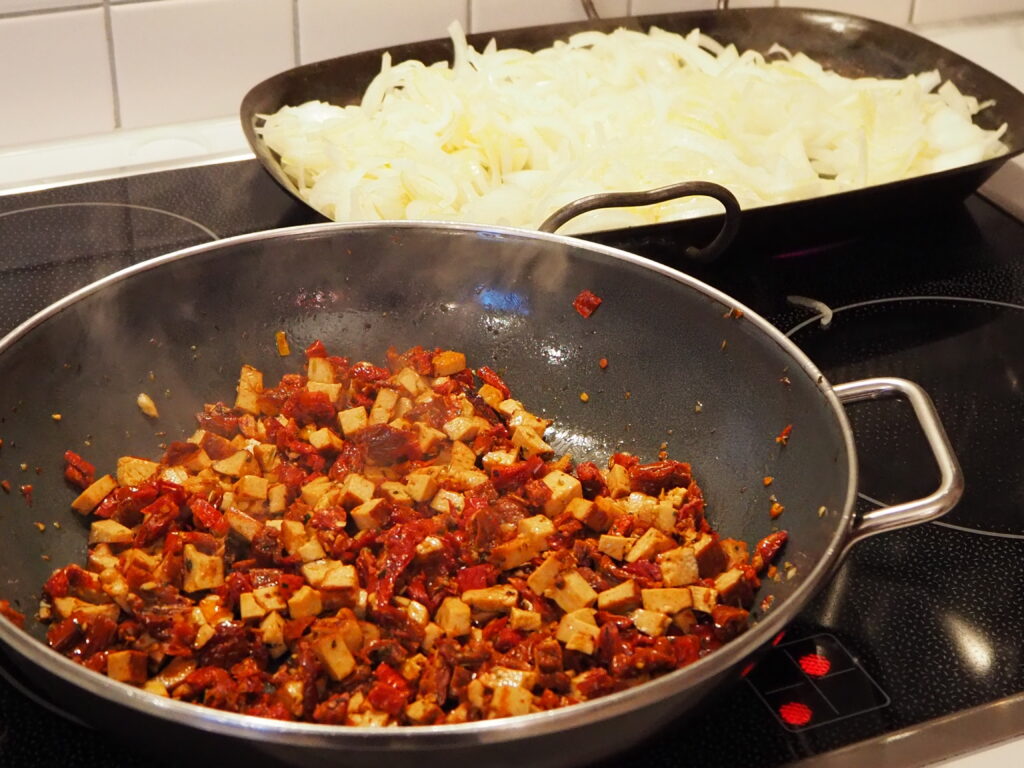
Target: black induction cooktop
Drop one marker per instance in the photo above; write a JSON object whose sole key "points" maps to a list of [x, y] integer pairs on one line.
{"points": [[918, 626]]}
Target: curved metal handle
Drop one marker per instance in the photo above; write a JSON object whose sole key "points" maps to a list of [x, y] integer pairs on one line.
{"points": [[951, 483], [591, 11], [711, 251]]}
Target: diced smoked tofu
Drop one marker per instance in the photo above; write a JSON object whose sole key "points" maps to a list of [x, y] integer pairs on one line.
{"points": [[650, 622], [515, 552], [620, 599], [454, 617], [65, 606], [510, 407], [238, 464], [710, 556], [88, 499], [431, 634], [510, 700], [252, 487], [272, 629], [128, 666], [270, 597], [110, 532], [500, 597], [320, 369], [134, 471], [493, 459], [462, 456], [410, 381], [244, 525], [266, 456], [678, 567], [734, 589], [578, 631], [369, 515], [543, 578], [176, 475], [445, 501], [324, 439], [311, 550], [448, 362], [277, 497], [334, 654], [248, 608], [564, 488], [341, 577], [490, 395], [616, 547], [429, 438], [202, 571], [704, 598], [424, 712], [315, 571], [617, 481], [590, 514], [685, 620], [736, 552], [155, 687], [537, 528], [305, 602], [356, 490], [572, 592], [528, 621], [420, 487], [250, 385], [311, 492], [396, 493], [333, 391], [463, 479], [463, 427], [667, 600], [383, 406], [352, 420], [529, 442], [528, 421], [653, 542]]}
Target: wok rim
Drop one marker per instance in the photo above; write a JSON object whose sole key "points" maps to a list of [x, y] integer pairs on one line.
{"points": [[456, 735]]}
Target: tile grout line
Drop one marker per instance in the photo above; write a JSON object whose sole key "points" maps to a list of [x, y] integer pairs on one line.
{"points": [[50, 11], [296, 36], [109, 27]]}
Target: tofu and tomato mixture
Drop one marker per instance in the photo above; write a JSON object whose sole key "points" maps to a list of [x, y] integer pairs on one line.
{"points": [[374, 546]]}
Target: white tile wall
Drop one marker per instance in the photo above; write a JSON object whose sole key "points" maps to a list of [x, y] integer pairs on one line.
{"points": [[891, 11], [180, 60], [66, 92], [489, 15], [927, 11], [329, 28], [130, 63]]}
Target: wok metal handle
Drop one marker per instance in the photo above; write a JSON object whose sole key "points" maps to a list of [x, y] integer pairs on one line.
{"points": [[709, 252], [951, 483]]}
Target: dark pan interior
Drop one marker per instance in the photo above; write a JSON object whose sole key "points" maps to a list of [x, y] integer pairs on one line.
{"points": [[180, 331], [850, 45]]}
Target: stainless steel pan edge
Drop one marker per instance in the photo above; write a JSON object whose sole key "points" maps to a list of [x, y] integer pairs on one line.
{"points": [[700, 676]]}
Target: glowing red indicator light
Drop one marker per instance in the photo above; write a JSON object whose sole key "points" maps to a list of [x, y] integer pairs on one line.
{"points": [[778, 638], [747, 669], [815, 665], [795, 713]]}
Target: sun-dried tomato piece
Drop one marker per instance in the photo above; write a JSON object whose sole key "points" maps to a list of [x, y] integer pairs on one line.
{"points": [[586, 303], [78, 471], [17, 618], [658, 476]]}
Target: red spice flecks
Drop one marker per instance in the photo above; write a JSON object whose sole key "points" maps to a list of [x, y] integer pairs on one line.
{"points": [[6, 485], [776, 510], [602, 363], [26, 492], [586, 302], [783, 437]]}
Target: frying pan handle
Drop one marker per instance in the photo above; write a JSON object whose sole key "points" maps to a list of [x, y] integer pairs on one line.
{"points": [[951, 483], [708, 253]]}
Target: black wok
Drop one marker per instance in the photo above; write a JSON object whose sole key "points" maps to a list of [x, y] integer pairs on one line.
{"points": [[180, 326], [850, 45]]}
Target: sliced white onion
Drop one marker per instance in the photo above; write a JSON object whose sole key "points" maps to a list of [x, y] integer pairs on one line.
{"points": [[507, 136]]}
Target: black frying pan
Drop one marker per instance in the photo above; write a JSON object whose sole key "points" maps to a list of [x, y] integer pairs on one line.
{"points": [[179, 327], [850, 45]]}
